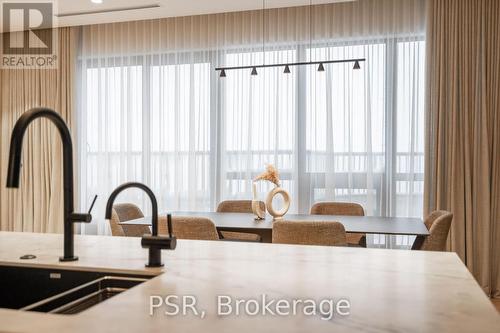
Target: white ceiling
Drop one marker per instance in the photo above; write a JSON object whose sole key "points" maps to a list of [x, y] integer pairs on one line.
{"points": [[167, 8]]}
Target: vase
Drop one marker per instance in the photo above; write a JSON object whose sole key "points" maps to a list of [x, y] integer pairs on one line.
{"points": [[256, 209], [278, 214]]}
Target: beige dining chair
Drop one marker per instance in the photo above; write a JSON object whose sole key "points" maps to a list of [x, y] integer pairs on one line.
{"points": [[198, 228], [239, 206], [438, 223], [126, 212], [342, 208], [328, 233]]}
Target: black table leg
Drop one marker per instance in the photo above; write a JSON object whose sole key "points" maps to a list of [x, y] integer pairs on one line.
{"points": [[417, 244]]}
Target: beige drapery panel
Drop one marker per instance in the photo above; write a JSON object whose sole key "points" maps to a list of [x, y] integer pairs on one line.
{"points": [[345, 20], [38, 203], [463, 130]]}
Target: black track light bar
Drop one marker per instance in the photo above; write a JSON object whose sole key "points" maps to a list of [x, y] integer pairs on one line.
{"points": [[254, 67]]}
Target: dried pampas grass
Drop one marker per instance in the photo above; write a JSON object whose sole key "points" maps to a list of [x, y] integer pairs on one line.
{"points": [[271, 174]]}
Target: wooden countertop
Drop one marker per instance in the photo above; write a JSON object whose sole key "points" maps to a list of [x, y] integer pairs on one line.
{"points": [[389, 290]]}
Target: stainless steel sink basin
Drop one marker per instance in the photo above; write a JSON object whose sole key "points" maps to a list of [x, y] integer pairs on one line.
{"points": [[59, 291], [85, 296]]}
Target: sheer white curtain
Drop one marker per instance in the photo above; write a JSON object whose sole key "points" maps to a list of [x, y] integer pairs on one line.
{"points": [[364, 129], [259, 124], [153, 109], [145, 116]]}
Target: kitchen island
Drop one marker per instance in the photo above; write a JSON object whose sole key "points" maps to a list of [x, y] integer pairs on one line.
{"points": [[388, 290]]}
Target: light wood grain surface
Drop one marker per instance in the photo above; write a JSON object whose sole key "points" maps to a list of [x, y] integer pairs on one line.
{"points": [[389, 290]]}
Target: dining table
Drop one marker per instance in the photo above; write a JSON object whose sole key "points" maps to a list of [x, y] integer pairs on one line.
{"points": [[246, 222]]}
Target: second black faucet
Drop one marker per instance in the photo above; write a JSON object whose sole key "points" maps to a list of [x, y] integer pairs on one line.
{"points": [[154, 242]]}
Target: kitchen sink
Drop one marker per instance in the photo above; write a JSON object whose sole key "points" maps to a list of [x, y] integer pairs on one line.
{"points": [[59, 291]]}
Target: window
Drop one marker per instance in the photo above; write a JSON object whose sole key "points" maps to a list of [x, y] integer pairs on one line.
{"points": [[258, 122], [409, 129], [346, 135], [113, 125], [149, 122], [345, 126], [179, 133]]}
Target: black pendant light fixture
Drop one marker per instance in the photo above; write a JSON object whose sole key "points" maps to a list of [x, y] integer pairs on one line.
{"points": [[321, 64]]}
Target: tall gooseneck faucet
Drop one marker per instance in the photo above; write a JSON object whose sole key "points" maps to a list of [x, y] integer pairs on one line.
{"points": [[14, 168], [154, 242]]}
